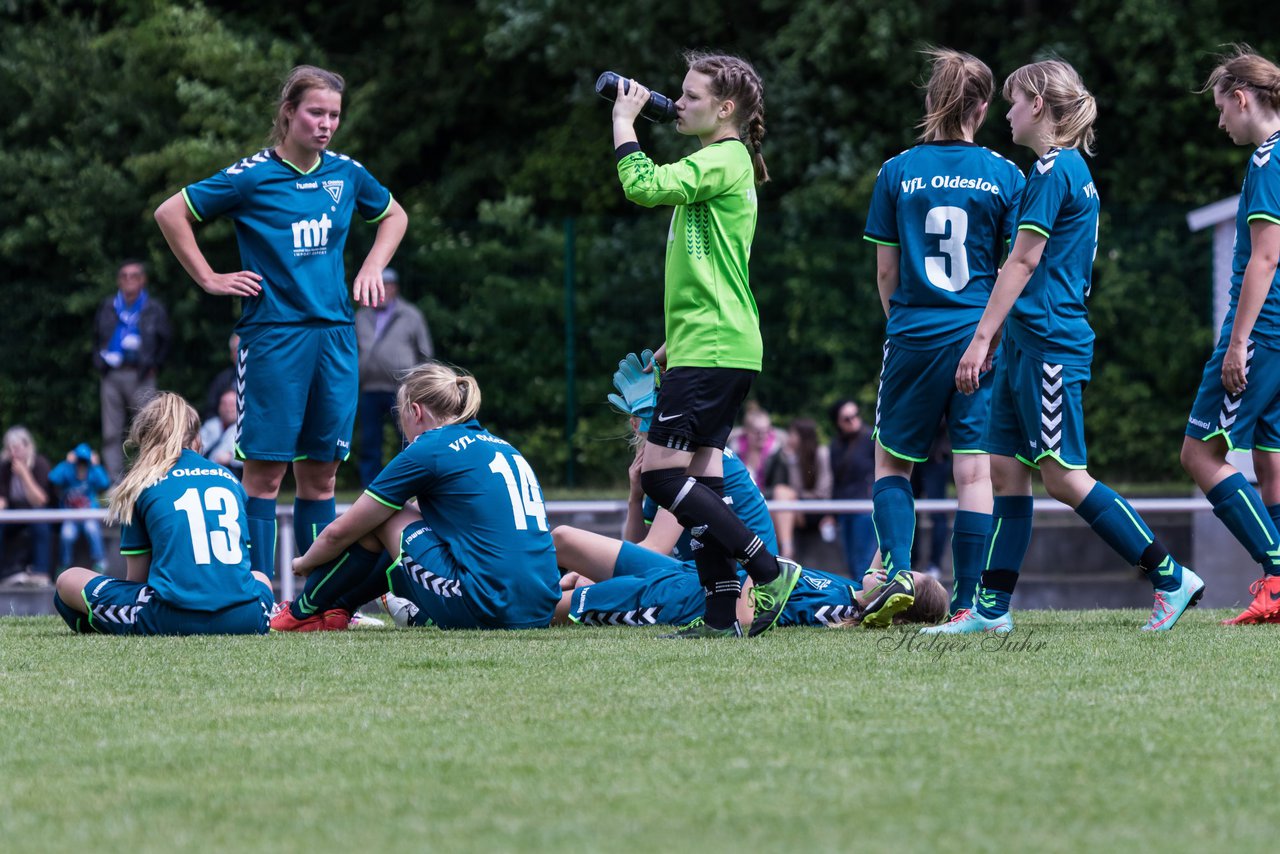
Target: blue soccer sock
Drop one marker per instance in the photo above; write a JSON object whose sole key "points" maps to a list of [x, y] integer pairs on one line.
{"points": [[968, 536], [893, 513], [329, 582], [261, 514], [1120, 526], [310, 517], [1240, 508], [1006, 546], [371, 588]]}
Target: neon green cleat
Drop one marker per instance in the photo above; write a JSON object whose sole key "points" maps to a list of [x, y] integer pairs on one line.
{"points": [[699, 629], [892, 598], [969, 621], [771, 598]]}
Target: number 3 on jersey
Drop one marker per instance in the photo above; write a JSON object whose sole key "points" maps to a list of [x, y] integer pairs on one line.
{"points": [[950, 270], [224, 541], [526, 499]]}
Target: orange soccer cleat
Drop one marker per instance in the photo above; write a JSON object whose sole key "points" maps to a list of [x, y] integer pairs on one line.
{"points": [[329, 621], [1265, 607]]}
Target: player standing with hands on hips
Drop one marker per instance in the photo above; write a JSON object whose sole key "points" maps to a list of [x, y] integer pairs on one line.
{"points": [[292, 206], [1238, 404], [713, 348], [1037, 404]]}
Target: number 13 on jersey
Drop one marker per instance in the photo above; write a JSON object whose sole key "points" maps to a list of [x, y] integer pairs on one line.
{"points": [[526, 497]]}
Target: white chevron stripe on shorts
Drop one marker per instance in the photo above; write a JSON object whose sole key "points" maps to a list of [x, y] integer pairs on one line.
{"points": [[1051, 411], [1231, 402]]}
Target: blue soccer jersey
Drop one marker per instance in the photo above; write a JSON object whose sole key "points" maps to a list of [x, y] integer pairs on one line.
{"points": [[480, 496], [192, 523], [820, 599], [949, 207], [1259, 202], [1050, 320], [292, 227], [743, 497]]}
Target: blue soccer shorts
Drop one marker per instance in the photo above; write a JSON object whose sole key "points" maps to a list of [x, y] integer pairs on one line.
{"points": [[118, 607], [297, 392], [1247, 420], [1037, 410], [667, 592], [917, 388]]}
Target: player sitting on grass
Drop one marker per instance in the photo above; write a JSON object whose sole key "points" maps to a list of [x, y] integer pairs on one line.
{"points": [[476, 554], [184, 540]]}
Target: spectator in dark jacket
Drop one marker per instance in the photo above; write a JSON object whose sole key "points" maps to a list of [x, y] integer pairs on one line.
{"points": [[392, 338], [853, 468], [131, 341]]}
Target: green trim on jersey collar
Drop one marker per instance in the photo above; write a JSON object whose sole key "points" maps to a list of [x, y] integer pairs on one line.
{"points": [[316, 166], [1037, 229], [871, 239]]}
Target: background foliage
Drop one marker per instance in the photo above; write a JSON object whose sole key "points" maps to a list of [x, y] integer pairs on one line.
{"points": [[481, 118]]}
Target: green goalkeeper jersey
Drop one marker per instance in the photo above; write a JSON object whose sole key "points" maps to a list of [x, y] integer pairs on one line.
{"points": [[711, 317]]}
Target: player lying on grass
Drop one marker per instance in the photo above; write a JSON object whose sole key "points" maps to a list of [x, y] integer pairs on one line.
{"points": [[184, 540], [611, 584], [475, 554]]}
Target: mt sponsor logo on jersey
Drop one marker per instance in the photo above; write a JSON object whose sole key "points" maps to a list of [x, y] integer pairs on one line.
{"points": [[950, 182], [311, 236]]}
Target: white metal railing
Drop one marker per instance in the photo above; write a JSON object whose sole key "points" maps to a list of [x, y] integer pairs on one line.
{"points": [[285, 551]]}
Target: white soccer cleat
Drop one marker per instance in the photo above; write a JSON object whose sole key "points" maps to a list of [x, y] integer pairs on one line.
{"points": [[401, 611]]}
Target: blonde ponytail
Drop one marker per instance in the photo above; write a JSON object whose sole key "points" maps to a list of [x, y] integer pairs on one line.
{"points": [[160, 432], [959, 86], [452, 397], [1070, 106]]}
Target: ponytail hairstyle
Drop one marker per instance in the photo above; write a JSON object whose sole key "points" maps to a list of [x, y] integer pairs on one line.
{"points": [[734, 79], [301, 80], [959, 86], [1070, 106], [450, 396], [1245, 69], [161, 431]]}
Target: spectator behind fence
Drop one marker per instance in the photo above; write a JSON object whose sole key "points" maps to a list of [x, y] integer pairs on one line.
{"points": [[223, 382], [218, 434], [392, 338], [79, 479], [755, 441], [852, 474], [24, 485], [800, 469], [131, 340]]}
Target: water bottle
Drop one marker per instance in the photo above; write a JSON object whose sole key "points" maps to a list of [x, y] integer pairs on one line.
{"points": [[659, 108]]}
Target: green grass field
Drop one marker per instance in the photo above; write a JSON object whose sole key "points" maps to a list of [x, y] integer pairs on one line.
{"points": [[1079, 732]]}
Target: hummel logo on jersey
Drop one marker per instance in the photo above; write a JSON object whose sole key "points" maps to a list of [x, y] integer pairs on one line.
{"points": [[817, 583], [665, 418], [1044, 164], [305, 185], [334, 189], [1262, 156], [311, 236]]}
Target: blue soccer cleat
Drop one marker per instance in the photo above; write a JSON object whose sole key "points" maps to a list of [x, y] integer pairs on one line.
{"points": [[969, 621], [1171, 604]]}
